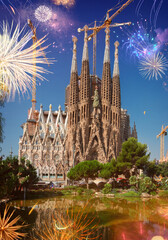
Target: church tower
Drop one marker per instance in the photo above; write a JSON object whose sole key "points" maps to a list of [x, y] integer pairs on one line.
{"points": [[106, 91], [72, 107], [116, 102], [74, 92], [84, 95]]}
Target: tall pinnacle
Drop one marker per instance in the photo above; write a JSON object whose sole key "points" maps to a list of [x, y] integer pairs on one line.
{"points": [[73, 96], [74, 61], [85, 48], [116, 66], [107, 47]]}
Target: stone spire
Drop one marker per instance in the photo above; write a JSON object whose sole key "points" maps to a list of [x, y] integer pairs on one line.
{"points": [[116, 66], [107, 47], [106, 86], [85, 47], [85, 73], [134, 132], [73, 98], [116, 98], [74, 61]]}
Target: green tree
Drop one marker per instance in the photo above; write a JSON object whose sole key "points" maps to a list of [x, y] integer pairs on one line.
{"points": [[27, 174], [85, 170], [133, 155], [162, 169], [151, 169], [14, 175], [109, 169]]}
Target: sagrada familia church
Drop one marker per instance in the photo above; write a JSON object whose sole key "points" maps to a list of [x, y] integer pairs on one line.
{"points": [[93, 125]]}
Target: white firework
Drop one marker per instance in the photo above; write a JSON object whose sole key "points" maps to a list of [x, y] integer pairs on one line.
{"points": [[19, 64], [154, 66], [43, 13]]}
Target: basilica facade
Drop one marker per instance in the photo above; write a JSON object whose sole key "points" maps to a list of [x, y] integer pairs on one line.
{"points": [[93, 125]]}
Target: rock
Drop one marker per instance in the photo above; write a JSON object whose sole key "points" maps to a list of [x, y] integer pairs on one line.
{"points": [[145, 195], [110, 195]]}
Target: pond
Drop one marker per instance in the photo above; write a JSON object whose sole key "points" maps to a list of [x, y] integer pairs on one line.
{"points": [[113, 219]]}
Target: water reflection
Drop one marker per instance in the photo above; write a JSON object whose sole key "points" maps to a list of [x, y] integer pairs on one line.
{"points": [[117, 219]]}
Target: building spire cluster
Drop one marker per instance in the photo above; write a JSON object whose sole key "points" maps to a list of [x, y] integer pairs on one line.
{"points": [[92, 127]]}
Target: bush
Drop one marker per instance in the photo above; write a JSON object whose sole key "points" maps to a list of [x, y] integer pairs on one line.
{"points": [[164, 184], [147, 186], [107, 188], [80, 191]]}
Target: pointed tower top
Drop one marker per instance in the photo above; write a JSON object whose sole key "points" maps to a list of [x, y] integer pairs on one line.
{"points": [[116, 67], [41, 106], [85, 48], [59, 108], [74, 62], [107, 46], [50, 107]]}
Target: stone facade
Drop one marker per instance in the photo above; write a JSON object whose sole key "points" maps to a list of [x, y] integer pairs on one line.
{"points": [[92, 127]]}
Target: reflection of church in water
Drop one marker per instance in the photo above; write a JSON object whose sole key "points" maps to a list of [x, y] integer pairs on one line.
{"points": [[93, 126]]}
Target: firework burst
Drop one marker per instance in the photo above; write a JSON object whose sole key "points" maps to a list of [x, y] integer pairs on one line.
{"points": [[154, 66], [70, 225], [141, 41], [43, 13], [8, 227], [154, 10], [17, 63]]}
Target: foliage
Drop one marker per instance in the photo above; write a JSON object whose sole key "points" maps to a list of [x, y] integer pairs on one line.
{"points": [[162, 169], [164, 184], [133, 180], [8, 227], [151, 169], [14, 175], [86, 170], [146, 185], [109, 169], [133, 155], [107, 188]]}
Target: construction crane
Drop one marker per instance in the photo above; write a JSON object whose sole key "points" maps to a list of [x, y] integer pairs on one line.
{"points": [[107, 23], [34, 37], [161, 135]]}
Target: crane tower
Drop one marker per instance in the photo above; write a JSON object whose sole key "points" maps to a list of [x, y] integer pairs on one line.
{"points": [[106, 24], [161, 135]]}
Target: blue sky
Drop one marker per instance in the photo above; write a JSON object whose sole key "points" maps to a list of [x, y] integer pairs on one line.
{"points": [[138, 94]]}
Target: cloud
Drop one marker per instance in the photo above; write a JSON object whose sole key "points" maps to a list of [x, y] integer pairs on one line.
{"points": [[162, 35]]}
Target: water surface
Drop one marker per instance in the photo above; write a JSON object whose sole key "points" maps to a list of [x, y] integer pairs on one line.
{"points": [[116, 219]]}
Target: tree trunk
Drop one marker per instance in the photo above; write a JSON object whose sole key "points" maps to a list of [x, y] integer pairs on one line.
{"points": [[87, 183]]}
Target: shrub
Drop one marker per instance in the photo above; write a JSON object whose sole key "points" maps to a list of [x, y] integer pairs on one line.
{"points": [[164, 184], [107, 188], [147, 186], [80, 191]]}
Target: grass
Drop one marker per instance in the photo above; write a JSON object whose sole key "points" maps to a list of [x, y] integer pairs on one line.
{"points": [[163, 193], [128, 194]]}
